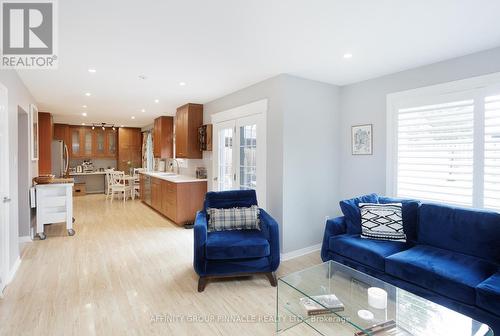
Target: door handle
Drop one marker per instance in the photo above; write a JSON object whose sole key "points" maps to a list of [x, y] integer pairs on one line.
{"points": [[6, 199]]}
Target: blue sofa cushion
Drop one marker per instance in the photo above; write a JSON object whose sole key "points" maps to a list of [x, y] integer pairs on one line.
{"points": [[410, 215], [450, 274], [351, 211], [469, 231], [230, 199], [237, 244], [488, 294], [366, 251]]}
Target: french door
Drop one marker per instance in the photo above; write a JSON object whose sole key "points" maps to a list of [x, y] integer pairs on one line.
{"points": [[239, 155]]}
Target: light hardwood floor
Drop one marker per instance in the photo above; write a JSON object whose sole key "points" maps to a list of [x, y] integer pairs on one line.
{"points": [[126, 267]]}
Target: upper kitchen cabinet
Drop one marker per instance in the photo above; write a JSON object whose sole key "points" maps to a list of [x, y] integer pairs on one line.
{"points": [[129, 148], [87, 143], [104, 143], [163, 137], [45, 135], [62, 132], [188, 119]]}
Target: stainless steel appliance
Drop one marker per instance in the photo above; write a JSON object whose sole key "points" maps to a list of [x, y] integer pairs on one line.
{"points": [[60, 158]]}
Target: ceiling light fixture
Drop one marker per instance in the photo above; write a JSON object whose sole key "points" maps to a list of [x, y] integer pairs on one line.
{"points": [[91, 70], [157, 101], [182, 84], [132, 117], [113, 128], [347, 56], [93, 127], [143, 110], [103, 126], [142, 77], [122, 126], [88, 94], [84, 114], [84, 106], [83, 124]]}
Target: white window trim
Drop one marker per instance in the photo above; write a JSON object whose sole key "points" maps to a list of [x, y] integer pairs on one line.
{"points": [[477, 86]]}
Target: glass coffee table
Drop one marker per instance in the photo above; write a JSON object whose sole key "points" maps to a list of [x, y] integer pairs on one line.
{"points": [[333, 299]]}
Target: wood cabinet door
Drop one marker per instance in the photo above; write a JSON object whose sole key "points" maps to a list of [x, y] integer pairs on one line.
{"points": [[111, 143], [157, 138], [181, 132], [99, 142], [86, 143], [156, 194], [75, 148]]}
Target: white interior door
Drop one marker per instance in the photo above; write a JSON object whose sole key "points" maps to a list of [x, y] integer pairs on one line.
{"points": [[240, 155], [4, 187]]}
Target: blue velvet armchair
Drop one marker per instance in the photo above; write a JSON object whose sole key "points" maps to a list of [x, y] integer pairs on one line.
{"points": [[237, 252]]}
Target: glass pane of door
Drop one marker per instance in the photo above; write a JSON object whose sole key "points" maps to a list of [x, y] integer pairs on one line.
{"points": [[111, 142], [87, 142], [75, 142], [248, 157], [225, 159], [100, 142]]}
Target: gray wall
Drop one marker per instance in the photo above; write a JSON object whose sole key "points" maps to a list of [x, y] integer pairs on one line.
{"points": [[18, 96], [365, 103], [310, 160], [302, 151]]}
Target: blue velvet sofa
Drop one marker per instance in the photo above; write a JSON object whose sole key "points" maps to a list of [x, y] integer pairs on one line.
{"points": [[451, 257], [237, 252]]}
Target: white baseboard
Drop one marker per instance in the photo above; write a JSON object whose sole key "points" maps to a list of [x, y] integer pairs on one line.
{"points": [[25, 239], [13, 271], [300, 252]]}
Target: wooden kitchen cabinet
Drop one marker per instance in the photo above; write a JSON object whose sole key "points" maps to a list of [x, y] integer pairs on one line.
{"points": [[62, 132], [129, 148], [179, 202], [163, 137], [87, 143], [188, 119], [45, 136]]}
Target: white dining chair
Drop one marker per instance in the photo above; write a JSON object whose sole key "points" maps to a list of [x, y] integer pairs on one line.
{"points": [[137, 184], [108, 182], [119, 185]]}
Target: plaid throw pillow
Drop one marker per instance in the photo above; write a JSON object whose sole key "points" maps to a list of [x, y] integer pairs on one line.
{"points": [[233, 219]]}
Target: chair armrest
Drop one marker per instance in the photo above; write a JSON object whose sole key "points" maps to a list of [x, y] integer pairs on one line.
{"points": [[334, 227], [200, 238], [270, 229]]}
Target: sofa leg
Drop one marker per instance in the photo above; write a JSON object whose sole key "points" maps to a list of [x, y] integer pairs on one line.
{"points": [[202, 282], [272, 279]]}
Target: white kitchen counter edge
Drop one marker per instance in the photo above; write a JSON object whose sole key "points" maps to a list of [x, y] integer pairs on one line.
{"points": [[176, 179]]}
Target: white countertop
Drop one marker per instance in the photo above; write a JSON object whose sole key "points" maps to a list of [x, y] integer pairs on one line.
{"points": [[92, 173], [174, 177]]}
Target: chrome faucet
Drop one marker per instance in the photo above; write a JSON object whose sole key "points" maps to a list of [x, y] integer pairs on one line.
{"points": [[172, 166]]}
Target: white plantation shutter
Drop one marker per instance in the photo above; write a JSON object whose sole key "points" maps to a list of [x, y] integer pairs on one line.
{"points": [[492, 152], [435, 152]]}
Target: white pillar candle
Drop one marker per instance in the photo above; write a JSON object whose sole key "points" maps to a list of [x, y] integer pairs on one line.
{"points": [[377, 298]]}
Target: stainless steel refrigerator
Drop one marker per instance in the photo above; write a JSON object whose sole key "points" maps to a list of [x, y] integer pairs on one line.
{"points": [[60, 158]]}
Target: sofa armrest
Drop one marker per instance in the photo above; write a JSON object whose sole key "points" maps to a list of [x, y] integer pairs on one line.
{"points": [[334, 227], [200, 239], [270, 229]]}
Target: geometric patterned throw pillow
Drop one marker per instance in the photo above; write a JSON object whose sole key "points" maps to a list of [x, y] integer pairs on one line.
{"points": [[382, 221], [233, 219]]}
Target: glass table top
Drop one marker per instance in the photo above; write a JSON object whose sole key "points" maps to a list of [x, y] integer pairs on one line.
{"points": [[333, 299]]}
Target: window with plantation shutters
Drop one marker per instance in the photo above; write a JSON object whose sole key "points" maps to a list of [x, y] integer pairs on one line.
{"points": [[444, 143], [492, 152], [435, 152]]}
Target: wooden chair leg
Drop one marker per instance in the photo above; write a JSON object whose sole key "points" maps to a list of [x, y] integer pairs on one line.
{"points": [[202, 282], [272, 279]]}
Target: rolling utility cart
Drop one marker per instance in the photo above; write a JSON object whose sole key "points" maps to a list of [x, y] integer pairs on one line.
{"points": [[54, 204]]}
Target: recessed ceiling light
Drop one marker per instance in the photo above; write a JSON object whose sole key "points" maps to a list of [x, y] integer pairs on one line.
{"points": [[132, 117], [143, 110], [157, 101], [347, 56], [122, 126], [83, 124], [182, 83], [91, 70], [84, 114], [84, 106], [88, 94], [142, 77]]}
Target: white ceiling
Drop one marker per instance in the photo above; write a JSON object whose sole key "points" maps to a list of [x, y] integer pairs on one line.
{"points": [[220, 46]]}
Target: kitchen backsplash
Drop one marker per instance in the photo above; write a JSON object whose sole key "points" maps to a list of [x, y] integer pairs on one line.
{"points": [[186, 166]]}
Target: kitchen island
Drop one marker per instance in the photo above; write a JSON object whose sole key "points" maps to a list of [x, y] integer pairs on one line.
{"points": [[177, 197]]}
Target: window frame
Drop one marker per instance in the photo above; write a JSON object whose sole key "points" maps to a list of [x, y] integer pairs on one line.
{"points": [[476, 88]]}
